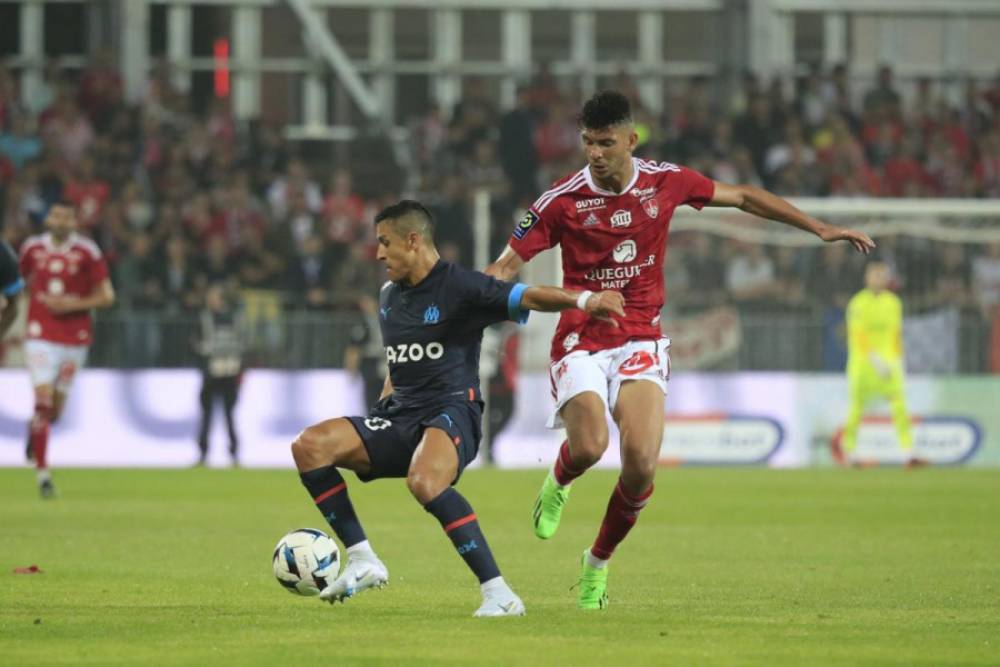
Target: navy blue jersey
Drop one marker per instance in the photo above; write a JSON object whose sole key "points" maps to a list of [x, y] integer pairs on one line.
{"points": [[10, 280], [432, 332]]}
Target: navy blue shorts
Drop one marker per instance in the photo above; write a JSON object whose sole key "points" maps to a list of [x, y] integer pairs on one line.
{"points": [[391, 433]]}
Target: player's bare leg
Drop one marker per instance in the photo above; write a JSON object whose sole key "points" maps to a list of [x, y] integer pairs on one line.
{"points": [[432, 470], [586, 441], [639, 414], [38, 437], [318, 451]]}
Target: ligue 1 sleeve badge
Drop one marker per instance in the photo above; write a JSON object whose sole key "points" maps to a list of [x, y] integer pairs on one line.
{"points": [[526, 223]]}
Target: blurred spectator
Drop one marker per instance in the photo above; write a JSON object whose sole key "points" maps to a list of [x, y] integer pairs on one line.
{"points": [[834, 277], [88, 193], [517, 149], [883, 96], [343, 212], [68, 130], [948, 280], [299, 219], [706, 270], [100, 88], [452, 222], [178, 276], [296, 179], [310, 275], [750, 276], [756, 130], [19, 143], [263, 258]]}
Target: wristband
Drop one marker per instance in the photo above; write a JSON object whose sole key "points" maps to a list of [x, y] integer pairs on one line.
{"points": [[581, 301]]}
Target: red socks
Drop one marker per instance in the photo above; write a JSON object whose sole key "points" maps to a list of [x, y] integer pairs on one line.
{"points": [[40, 434], [563, 470], [622, 513]]}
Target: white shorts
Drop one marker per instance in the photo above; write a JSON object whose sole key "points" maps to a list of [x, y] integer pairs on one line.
{"points": [[54, 363], [603, 372]]}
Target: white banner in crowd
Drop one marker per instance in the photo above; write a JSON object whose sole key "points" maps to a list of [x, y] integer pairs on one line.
{"points": [[150, 418]]}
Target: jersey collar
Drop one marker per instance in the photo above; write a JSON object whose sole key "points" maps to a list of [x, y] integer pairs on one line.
{"points": [[438, 267], [51, 246], [608, 193]]}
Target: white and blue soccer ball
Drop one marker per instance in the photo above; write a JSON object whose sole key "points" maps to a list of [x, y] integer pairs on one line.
{"points": [[305, 561]]}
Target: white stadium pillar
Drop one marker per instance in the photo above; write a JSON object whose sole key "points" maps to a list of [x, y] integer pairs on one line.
{"points": [[446, 35], [179, 45], [32, 46], [134, 56], [246, 61]]}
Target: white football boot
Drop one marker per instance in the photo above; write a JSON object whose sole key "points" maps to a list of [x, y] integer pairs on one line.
{"points": [[363, 571], [499, 600]]}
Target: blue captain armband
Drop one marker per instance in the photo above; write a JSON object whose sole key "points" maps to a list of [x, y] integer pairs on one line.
{"points": [[514, 311]]}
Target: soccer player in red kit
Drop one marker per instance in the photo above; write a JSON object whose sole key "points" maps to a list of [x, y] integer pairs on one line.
{"points": [[67, 277], [611, 219]]}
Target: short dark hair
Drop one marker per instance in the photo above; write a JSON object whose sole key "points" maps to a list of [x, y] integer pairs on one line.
{"points": [[606, 109], [408, 215]]}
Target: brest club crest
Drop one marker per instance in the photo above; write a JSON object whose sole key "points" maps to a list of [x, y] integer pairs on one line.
{"points": [[651, 207]]}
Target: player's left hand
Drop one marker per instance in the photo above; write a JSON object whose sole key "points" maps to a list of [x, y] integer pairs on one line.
{"points": [[602, 305], [861, 241], [59, 305]]}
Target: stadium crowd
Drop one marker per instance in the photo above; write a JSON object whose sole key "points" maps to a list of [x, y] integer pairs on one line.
{"points": [[179, 198]]}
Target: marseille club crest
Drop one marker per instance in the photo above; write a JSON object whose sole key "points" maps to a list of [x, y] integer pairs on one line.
{"points": [[432, 314], [651, 207]]}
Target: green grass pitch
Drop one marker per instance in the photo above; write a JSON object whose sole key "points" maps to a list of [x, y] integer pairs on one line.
{"points": [[725, 567]]}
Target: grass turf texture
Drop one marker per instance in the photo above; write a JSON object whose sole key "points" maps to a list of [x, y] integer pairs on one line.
{"points": [[726, 567]]}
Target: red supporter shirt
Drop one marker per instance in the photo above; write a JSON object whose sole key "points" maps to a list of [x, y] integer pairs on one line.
{"points": [[75, 268], [611, 241]]}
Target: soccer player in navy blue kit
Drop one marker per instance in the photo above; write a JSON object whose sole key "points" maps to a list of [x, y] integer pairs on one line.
{"points": [[426, 426], [10, 284]]}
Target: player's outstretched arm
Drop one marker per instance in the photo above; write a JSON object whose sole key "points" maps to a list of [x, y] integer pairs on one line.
{"points": [[599, 305], [506, 266], [764, 204]]}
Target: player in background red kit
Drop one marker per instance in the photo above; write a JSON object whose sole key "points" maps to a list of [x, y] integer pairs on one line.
{"points": [[67, 277], [611, 219]]}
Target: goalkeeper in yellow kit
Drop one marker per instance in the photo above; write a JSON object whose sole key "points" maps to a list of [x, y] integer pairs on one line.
{"points": [[875, 357]]}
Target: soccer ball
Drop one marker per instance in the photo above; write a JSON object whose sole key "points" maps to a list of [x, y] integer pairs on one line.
{"points": [[305, 561]]}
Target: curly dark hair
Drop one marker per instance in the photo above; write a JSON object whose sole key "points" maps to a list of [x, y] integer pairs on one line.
{"points": [[606, 109]]}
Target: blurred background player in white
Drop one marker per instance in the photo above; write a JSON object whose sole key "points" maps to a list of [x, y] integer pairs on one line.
{"points": [[67, 277], [611, 218], [875, 360], [427, 425], [11, 285]]}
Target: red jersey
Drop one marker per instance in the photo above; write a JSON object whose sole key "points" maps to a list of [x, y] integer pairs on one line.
{"points": [[75, 268], [611, 241]]}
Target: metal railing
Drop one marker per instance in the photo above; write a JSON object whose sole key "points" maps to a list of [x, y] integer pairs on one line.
{"points": [[771, 341]]}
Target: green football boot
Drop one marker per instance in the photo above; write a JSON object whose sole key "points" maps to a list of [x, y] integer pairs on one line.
{"points": [[593, 586], [549, 506]]}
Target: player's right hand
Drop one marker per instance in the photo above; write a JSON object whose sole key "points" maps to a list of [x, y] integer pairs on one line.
{"points": [[602, 305]]}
